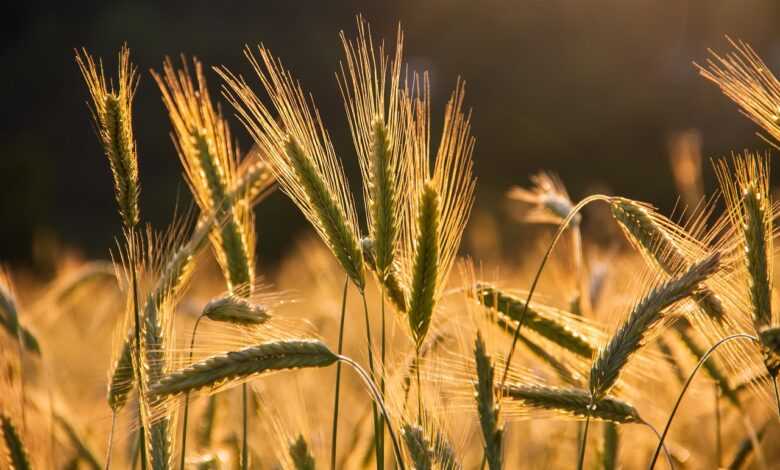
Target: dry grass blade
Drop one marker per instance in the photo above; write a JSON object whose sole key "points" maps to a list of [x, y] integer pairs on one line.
{"points": [[487, 407], [17, 456], [512, 306], [112, 111], [300, 455], [301, 156], [236, 366], [645, 317], [572, 402], [744, 77]]}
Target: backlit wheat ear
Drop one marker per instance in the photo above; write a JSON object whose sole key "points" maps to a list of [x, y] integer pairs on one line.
{"points": [[420, 449], [571, 402], [369, 83], [300, 455], [17, 457], [441, 203], [234, 367], [301, 156], [509, 308], [9, 316], [204, 144], [487, 407], [175, 271], [112, 111], [745, 78], [655, 237], [749, 206], [234, 309], [426, 264], [646, 316], [548, 200]]}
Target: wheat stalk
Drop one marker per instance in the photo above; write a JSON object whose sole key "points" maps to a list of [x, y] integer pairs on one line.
{"points": [[654, 236], [236, 366], [611, 448], [112, 112], [487, 407], [300, 455], [17, 457], [572, 402], [301, 156], [509, 308], [231, 308], [645, 317], [744, 77]]}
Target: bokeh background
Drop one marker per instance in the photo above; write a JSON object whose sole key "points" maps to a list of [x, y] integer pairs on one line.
{"points": [[593, 90]]}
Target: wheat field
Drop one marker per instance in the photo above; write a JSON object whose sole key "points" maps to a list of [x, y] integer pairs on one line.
{"points": [[377, 343]]}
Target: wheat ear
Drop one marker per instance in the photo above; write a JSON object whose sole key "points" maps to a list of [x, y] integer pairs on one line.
{"points": [[112, 112], [426, 264], [236, 366], [420, 449], [572, 402], [18, 458], [300, 455], [487, 407], [645, 317]]}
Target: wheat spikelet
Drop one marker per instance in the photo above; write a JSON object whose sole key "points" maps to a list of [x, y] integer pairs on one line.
{"points": [[572, 402], [646, 316], [420, 449], [205, 149], [487, 407], [512, 306], [426, 265], [749, 207], [236, 366], [16, 454], [377, 118], [745, 79], [235, 309], [300, 455], [548, 200], [9, 316], [440, 205], [655, 237], [112, 112], [301, 156]]}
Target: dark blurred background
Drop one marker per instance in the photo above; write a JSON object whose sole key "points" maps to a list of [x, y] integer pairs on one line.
{"points": [[592, 90]]}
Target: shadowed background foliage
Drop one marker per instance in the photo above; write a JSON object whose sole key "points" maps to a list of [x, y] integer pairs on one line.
{"points": [[591, 90]]}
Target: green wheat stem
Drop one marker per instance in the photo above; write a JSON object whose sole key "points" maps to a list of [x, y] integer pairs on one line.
{"points": [[187, 398], [370, 347], [335, 430]]}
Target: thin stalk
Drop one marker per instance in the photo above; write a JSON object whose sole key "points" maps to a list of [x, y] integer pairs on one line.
{"points": [[419, 387], [334, 432], [718, 448], [110, 440], [187, 399], [704, 357], [369, 345], [245, 443], [581, 459], [137, 314], [381, 449], [521, 318], [377, 398], [668, 456]]}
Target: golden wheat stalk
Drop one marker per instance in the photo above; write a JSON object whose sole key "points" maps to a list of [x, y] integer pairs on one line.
{"points": [[645, 318], [744, 77], [301, 156], [112, 112]]}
